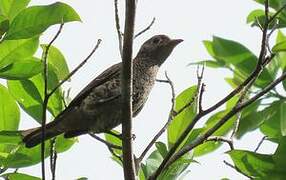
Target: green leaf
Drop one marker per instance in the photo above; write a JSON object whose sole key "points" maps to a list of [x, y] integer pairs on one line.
{"points": [[19, 176], [9, 111], [257, 18], [279, 47], [57, 59], [279, 156], [14, 50], [152, 163], [253, 164], [21, 156], [162, 148], [244, 61], [277, 4], [274, 124], [209, 47], [181, 121], [177, 168], [30, 94], [4, 25], [210, 146], [114, 140], [254, 15], [28, 97], [10, 8], [209, 63], [36, 19], [22, 69], [10, 137]]}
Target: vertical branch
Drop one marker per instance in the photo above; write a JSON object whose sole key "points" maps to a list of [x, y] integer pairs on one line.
{"points": [[126, 89], [53, 158], [46, 98], [117, 23]]}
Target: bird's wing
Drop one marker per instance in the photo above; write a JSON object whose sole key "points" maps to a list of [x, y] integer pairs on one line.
{"points": [[102, 78]]}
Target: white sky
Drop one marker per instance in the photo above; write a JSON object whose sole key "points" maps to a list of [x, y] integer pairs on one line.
{"points": [[192, 21]]}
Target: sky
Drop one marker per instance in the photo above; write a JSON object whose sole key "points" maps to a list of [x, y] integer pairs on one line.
{"points": [[193, 21]]}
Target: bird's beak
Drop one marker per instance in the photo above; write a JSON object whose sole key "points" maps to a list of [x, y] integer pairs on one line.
{"points": [[175, 42]]}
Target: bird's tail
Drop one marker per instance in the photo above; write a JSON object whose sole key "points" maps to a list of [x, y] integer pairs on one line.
{"points": [[33, 137]]}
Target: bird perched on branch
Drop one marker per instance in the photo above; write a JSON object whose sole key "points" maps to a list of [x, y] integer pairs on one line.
{"points": [[97, 108]]}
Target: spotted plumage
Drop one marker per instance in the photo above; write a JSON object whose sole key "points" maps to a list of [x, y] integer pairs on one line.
{"points": [[97, 108]]}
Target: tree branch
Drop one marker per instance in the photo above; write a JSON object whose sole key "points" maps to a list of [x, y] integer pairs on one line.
{"points": [[231, 113], [108, 144], [117, 24], [170, 118], [263, 60], [46, 98], [146, 29], [238, 170], [260, 143], [75, 70], [221, 139], [126, 89]]}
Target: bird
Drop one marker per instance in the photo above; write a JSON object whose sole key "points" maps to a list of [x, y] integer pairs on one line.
{"points": [[97, 108]]}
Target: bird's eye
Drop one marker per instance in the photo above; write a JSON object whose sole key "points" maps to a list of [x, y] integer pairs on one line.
{"points": [[155, 40]]}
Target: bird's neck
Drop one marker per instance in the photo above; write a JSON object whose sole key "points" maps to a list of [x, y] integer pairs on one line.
{"points": [[146, 67]]}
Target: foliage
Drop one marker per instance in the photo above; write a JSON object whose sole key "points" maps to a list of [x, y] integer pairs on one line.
{"points": [[21, 28]]}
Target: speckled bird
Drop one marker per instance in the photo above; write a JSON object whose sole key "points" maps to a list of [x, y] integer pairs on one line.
{"points": [[97, 108]]}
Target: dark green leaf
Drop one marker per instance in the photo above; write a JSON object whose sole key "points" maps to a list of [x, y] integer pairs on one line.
{"points": [[4, 25], [162, 148], [9, 111], [274, 122], [277, 4], [22, 69], [257, 18], [210, 146], [10, 8], [177, 168], [36, 19], [181, 121], [28, 97], [244, 61], [252, 163], [30, 94], [14, 50], [19, 176], [57, 59]]}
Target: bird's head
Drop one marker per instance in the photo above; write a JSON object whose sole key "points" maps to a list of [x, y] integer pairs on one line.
{"points": [[157, 49]]}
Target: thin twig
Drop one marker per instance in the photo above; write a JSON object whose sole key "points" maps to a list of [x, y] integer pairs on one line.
{"points": [[224, 119], [221, 139], [262, 62], [117, 23], [145, 29], [260, 143], [75, 70], [108, 144], [170, 118], [46, 98], [201, 87], [277, 13], [235, 168], [126, 90], [53, 158]]}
